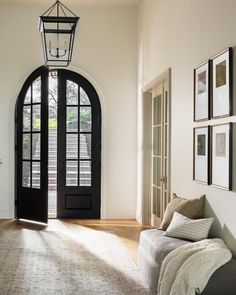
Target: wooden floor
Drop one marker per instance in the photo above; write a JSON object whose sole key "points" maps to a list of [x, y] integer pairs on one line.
{"points": [[127, 230]]}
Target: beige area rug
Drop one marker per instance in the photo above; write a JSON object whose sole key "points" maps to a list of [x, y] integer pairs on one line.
{"points": [[43, 262]]}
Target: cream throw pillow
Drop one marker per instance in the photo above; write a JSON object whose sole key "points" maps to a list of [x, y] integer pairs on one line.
{"points": [[183, 227], [191, 208]]}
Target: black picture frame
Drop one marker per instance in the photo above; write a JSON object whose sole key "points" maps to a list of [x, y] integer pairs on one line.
{"points": [[202, 86], [201, 166], [222, 166], [222, 84]]}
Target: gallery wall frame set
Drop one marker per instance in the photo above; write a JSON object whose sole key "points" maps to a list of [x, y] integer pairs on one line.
{"points": [[213, 155], [213, 87]]}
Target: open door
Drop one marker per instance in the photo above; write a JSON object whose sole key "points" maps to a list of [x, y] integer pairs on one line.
{"points": [[32, 148], [79, 148]]}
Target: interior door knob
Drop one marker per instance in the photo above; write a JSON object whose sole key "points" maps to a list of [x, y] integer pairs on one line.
{"points": [[163, 179], [1, 162]]}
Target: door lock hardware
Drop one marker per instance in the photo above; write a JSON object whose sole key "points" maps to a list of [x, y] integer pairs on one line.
{"points": [[163, 179]]}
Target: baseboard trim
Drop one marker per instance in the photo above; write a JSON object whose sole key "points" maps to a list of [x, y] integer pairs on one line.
{"points": [[119, 215], [4, 214]]}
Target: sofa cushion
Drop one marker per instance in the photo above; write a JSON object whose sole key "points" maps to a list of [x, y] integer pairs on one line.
{"points": [[192, 208], [153, 248], [183, 227], [158, 246]]}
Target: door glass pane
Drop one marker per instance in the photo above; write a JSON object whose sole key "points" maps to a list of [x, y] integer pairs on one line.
{"points": [[36, 146], [28, 96], [71, 93], [52, 143], [157, 141], [156, 171], [85, 173], [36, 174], [72, 146], [27, 118], [84, 100], [36, 117], [26, 174], [166, 198], [85, 119], [37, 90], [26, 146], [157, 110], [71, 173], [156, 202], [166, 107], [166, 173], [85, 146], [72, 119], [166, 140]]}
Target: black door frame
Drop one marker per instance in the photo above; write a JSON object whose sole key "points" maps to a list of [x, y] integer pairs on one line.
{"points": [[96, 147]]}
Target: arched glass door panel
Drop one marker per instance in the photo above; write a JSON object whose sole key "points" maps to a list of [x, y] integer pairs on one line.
{"points": [[79, 155], [31, 151]]}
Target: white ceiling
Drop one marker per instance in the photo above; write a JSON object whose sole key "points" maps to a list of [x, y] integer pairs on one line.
{"points": [[95, 3]]}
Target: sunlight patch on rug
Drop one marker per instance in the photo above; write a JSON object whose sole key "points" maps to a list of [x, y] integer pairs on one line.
{"points": [[41, 262]]}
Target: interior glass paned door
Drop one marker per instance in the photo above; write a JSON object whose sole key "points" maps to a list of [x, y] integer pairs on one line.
{"points": [[160, 153], [79, 142], [31, 148]]}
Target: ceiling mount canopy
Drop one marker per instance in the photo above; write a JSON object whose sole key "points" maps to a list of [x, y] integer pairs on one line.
{"points": [[57, 27]]}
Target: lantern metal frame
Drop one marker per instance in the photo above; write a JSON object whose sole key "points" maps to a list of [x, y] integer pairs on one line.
{"points": [[57, 15]]}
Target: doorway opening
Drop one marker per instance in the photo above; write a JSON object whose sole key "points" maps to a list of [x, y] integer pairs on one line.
{"points": [[58, 147]]}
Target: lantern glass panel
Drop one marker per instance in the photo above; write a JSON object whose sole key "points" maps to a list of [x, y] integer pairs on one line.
{"points": [[58, 26], [58, 46]]}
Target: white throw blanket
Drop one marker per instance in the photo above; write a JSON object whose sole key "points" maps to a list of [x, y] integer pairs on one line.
{"points": [[187, 269]]}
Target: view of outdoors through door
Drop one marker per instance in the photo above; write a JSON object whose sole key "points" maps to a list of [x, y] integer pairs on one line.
{"points": [[52, 143], [73, 114]]}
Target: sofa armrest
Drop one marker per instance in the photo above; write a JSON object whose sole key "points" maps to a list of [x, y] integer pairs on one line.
{"points": [[223, 281]]}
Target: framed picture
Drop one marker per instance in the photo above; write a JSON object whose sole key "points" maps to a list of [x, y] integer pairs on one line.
{"points": [[201, 92], [201, 154], [221, 156], [222, 84]]}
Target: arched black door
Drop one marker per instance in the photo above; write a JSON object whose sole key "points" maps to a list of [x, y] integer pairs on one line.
{"points": [[31, 148], [78, 147]]}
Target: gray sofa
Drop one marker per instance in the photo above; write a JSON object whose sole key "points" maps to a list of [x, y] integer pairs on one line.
{"points": [[153, 247]]}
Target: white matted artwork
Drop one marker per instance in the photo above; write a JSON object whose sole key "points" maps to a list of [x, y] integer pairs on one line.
{"points": [[201, 154], [222, 85], [221, 156], [201, 92]]}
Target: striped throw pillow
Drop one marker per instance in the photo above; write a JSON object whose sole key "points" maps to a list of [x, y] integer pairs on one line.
{"points": [[191, 229]]}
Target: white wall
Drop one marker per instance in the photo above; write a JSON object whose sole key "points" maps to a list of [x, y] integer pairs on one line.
{"points": [[182, 34], [105, 50]]}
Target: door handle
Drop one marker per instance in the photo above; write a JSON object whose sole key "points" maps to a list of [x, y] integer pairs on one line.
{"points": [[1, 162], [163, 179]]}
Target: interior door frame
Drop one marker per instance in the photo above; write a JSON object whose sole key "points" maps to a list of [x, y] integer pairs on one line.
{"points": [[43, 72], [164, 78]]}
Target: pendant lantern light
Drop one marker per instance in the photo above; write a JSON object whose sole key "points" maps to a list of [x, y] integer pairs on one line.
{"points": [[57, 27]]}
